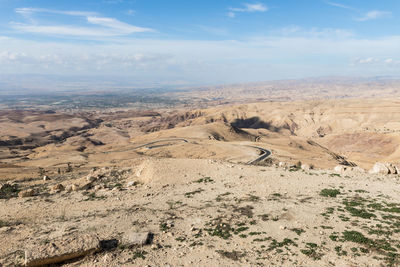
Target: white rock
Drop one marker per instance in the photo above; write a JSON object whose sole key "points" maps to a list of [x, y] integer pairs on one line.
{"points": [[339, 169], [136, 239], [379, 168], [131, 183], [305, 167], [46, 178]]}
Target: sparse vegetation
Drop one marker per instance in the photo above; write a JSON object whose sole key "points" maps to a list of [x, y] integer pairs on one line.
{"points": [[9, 190], [329, 192], [191, 194], [205, 180], [233, 255], [139, 254]]}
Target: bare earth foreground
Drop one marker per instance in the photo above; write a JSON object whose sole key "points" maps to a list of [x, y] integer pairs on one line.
{"points": [[175, 188]]}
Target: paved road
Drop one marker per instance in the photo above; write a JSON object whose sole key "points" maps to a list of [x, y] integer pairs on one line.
{"points": [[158, 141], [264, 152]]}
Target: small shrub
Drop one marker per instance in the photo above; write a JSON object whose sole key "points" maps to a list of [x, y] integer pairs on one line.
{"points": [[329, 192]]}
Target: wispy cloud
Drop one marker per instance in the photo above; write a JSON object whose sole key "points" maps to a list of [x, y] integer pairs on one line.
{"points": [[339, 5], [220, 31], [375, 14], [374, 61], [130, 12], [231, 14], [29, 11], [314, 32], [101, 26], [247, 8]]}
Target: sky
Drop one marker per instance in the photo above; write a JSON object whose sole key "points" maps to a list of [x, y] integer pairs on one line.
{"points": [[200, 41]]}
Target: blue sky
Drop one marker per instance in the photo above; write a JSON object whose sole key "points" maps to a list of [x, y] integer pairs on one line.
{"points": [[200, 42]]}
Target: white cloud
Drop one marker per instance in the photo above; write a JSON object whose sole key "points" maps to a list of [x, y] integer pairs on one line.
{"points": [[306, 52], [108, 26], [392, 62], [368, 60], [375, 14], [247, 8], [118, 26], [315, 32], [30, 11], [339, 5], [375, 62]]}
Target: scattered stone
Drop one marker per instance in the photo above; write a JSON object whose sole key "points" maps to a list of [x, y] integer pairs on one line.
{"points": [[71, 187], [46, 178], [98, 187], [83, 184], [58, 188], [90, 178], [282, 227], [156, 246], [26, 193], [137, 239], [61, 250]]}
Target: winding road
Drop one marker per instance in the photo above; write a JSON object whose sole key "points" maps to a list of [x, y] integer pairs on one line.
{"points": [[264, 152]]}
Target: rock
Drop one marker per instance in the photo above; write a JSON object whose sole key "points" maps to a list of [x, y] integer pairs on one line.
{"points": [[305, 167], [46, 178], [83, 184], [282, 164], [379, 168], [98, 187], [61, 250], [26, 193], [58, 188], [91, 178], [137, 239], [71, 187], [282, 227], [131, 183], [397, 169], [340, 169], [392, 168]]}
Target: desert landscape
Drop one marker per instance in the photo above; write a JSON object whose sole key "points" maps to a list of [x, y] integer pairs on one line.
{"points": [[199, 133], [272, 182]]}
